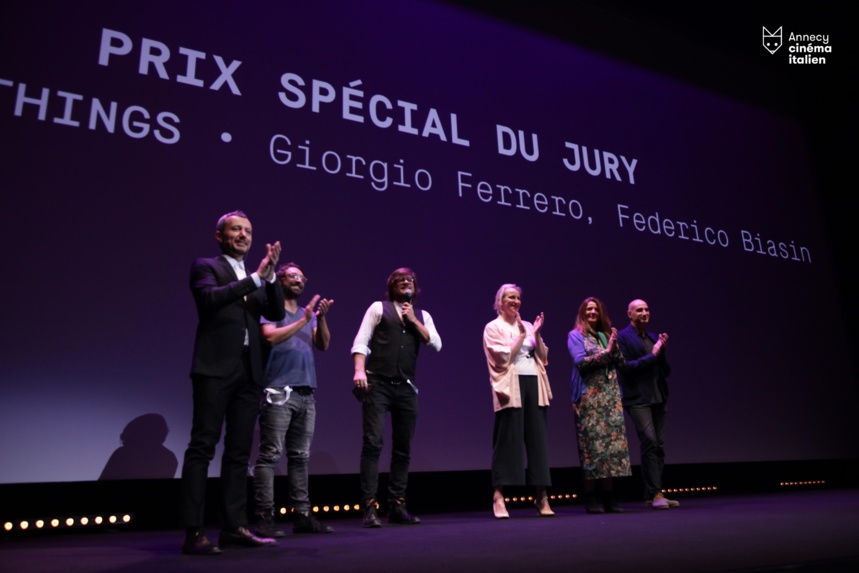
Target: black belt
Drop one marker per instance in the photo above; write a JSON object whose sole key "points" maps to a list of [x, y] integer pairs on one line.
{"points": [[303, 390]]}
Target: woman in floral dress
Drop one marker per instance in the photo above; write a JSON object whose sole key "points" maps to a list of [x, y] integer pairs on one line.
{"points": [[603, 451]]}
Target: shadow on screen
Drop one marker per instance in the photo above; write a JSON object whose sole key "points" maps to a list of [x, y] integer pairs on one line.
{"points": [[142, 454]]}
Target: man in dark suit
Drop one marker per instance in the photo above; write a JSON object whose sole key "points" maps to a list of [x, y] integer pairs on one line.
{"points": [[644, 384], [227, 379]]}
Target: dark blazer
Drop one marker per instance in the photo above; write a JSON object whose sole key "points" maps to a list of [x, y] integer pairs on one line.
{"points": [[227, 307], [636, 376]]}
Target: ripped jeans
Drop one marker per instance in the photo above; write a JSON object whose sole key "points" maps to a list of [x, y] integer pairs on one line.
{"points": [[289, 427]]}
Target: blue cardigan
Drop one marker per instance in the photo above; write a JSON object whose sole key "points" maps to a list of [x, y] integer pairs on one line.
{"points": [[585, 350]]}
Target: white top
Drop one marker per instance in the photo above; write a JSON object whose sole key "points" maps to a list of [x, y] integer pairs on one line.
{"points": [[373, 316]]}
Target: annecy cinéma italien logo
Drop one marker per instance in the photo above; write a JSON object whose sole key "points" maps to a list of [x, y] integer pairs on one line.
{"points": [[801, 48], [772, 40]]}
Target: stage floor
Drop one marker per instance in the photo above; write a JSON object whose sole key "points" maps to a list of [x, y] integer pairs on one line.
{"points": [[792, 531]]}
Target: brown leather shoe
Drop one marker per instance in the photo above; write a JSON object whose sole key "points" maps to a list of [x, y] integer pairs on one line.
{"points": [[241, 537], [199, 544], [371, 518], [397, 513]]}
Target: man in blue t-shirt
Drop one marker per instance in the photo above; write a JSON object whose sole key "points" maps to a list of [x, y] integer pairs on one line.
{"points": [[288, 412]]}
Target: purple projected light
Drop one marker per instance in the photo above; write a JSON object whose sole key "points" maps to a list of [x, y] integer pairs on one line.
{"points": [[422, 136]]}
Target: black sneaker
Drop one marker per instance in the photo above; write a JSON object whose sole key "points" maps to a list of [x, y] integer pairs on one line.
{"points": [[309, 524], [266, 527]]}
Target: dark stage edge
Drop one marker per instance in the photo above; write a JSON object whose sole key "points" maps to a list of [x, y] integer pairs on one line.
{"points": [[802, 531]]}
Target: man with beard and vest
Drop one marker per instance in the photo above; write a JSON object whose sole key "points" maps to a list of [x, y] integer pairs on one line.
{"points": [[385, 353]]}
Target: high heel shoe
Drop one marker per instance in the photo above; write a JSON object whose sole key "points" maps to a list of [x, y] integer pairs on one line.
{"points": [[542, 505], [499, 509]]}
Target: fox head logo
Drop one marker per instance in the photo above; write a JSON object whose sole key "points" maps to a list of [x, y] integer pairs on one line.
{"points": [[772, 40]]}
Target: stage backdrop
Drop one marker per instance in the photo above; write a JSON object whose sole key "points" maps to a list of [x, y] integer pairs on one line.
{"points": [[368, 136]]}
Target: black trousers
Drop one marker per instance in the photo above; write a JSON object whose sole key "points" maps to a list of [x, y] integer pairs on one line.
{"points": [[234, 399], [401, 401], [649, 423], [517, 432]]}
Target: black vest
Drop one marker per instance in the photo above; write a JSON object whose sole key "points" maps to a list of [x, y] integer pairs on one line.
{"points": [[394, 347]]}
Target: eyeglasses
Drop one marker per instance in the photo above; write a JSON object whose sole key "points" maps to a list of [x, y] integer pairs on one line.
{"points": [[295, 277], [402, 280]]}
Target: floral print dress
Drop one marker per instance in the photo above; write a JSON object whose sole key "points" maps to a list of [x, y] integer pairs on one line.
{"points": [[603, 449]]}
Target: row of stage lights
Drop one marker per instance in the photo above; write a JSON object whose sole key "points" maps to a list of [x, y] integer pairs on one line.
{"points": [[357, 507], [530, 498], [121, 519], [59, 523], [523, 499]]}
